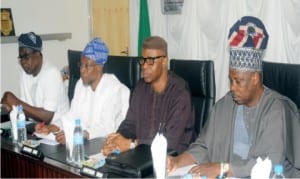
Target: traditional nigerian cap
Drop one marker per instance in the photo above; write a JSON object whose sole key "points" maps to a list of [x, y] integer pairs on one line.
{"points": [[97, 51], [30, 40], [248, 39]]}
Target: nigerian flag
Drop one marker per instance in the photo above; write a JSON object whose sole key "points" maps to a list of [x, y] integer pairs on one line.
{"points": [[144, 25]]}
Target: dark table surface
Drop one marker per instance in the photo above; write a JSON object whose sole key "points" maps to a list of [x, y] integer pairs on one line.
{"points": [[54, 153]]}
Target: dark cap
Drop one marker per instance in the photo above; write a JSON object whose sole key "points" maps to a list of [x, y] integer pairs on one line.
{"points": [[30, 40]]}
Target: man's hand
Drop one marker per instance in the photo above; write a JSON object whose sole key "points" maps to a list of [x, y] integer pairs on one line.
{"points": [[60, 137], [122, 143], [53, 128], [45, 129], [210, 170], [9, 99], [109, 146], [115, 141], [171, 164], [41, 128]]}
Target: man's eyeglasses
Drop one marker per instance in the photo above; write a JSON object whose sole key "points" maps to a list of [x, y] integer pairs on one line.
{"points": [[149, 60], [25, 56], [86, 66]]}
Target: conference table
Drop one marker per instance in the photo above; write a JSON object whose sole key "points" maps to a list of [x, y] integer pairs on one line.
{"points": [[15, 164]]}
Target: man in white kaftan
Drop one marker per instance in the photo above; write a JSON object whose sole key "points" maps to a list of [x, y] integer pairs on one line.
{"points": [[38, 92], [43, 96], [100, 100], [101, 111]]}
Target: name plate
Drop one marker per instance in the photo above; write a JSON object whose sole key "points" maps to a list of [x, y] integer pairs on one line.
{"points": [[32, 152], [91, 172]]}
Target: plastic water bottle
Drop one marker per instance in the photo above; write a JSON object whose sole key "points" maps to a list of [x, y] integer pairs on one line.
{"points": [[21, 126], [278, 172], [78, 149]]}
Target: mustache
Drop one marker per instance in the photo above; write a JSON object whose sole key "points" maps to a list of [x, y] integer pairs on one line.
{"points": [[234, 95]]}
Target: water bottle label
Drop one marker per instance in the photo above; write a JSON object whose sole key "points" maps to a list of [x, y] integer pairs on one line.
{"points": [[21, 124], [78, 139]]}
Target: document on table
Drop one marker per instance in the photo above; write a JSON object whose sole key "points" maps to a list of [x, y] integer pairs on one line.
{"points": [[47, 139], [182, 170]]}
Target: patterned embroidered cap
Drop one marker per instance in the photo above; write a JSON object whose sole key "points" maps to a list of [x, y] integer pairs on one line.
{"points": [[97, 51], [248, 39], [30, 40]]}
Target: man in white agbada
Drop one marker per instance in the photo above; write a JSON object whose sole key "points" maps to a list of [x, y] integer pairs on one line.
{"points": [[100, 100], [42, 92]]}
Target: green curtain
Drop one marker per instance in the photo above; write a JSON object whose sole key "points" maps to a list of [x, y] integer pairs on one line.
{"points": [[144, 25]]}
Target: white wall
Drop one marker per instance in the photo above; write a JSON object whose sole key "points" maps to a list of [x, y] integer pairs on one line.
{"points": [[200, 32], [44, 17]]}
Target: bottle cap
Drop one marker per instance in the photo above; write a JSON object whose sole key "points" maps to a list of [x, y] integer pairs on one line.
{"points": [[278, 169], [20, 108], [77, 121]]}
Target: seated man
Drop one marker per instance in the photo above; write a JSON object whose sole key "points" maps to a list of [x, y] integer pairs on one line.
{"points": [[42, 91], [161, 102], [100, 100], [250, 121]]}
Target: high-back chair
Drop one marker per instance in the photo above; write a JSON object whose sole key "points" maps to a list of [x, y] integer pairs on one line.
{"points": [[74, 71], [201, 79], [125, 68], [283, 78]]}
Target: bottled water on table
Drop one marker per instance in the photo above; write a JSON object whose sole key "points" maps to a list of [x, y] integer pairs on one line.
{"points": [[278, 172], [21, 126], [78, 147]]}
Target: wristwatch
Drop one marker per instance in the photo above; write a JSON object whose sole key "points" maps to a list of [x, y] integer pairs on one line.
{"points": [[132, 144]]}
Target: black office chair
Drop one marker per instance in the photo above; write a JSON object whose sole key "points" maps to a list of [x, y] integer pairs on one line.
{"points": [[126, 69], [201, 79], [74, 71], [283, 78]]}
